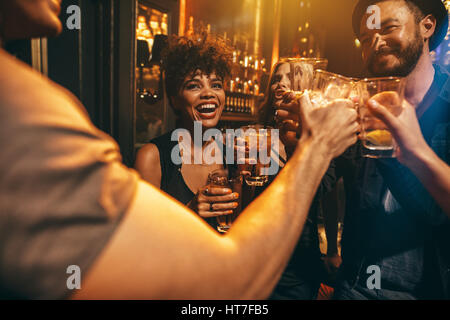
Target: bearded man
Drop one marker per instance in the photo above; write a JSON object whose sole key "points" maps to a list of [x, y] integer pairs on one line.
{"points": [[392, 220], [395, 243]]}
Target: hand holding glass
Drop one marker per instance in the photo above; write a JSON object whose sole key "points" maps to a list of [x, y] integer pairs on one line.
{"points": [[328, 87], [223, 178], [376, 139]]}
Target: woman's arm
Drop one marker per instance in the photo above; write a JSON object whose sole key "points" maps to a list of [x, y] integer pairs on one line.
{"points": [[148, 164]]}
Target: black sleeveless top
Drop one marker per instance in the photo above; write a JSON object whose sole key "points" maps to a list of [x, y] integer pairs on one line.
{"points": [[172, 181]]}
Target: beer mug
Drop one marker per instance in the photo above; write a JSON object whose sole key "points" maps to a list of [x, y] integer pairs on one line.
{"points": [[377, 141], [328, 86]]}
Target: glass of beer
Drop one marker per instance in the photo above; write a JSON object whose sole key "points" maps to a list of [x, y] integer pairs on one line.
{"points": [[376, 139], [328, 86], [254, 145], [301, 77], [225, 178], [302, 72]]}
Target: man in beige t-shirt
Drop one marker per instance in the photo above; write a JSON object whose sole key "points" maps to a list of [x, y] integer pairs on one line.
{"points": [[66, 199]]}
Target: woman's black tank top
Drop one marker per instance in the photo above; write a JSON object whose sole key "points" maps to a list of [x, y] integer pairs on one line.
{"points": [[172, 181]]}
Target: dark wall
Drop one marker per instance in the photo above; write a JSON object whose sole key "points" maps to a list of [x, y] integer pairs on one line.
{"points": [[76, 57], [63, 55], [20, 49], [96, 63]]}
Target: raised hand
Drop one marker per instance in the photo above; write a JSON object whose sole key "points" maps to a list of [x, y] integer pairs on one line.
{"points": [[334, 125], [288, 118], [405, 129]]}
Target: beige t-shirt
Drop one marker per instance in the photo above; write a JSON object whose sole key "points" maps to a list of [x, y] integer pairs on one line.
{"points": [[63, 189]]}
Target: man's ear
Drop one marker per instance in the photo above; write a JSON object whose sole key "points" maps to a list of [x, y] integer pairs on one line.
{"points": [[428, 26]]}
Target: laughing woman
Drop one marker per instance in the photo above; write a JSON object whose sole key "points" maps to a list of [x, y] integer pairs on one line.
{"points": [[195, 70]]}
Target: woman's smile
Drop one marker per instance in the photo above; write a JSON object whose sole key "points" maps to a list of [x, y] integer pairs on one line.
{"points": [[207, 110]]}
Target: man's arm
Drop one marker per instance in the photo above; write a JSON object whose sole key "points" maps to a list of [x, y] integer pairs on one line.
{"points": [[434, 174], [160, 251], [168, 253], [415, 153]]}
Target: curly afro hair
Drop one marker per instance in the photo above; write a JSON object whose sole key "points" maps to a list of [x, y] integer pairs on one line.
{"points": [[185, 55]]}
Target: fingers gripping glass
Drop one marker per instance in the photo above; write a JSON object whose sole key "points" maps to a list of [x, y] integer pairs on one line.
{"points": [[301, 77], [301, 73], [328, 87], [223, 178], [376, 138]]}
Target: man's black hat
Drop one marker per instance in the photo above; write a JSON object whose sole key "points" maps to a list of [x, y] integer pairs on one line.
{"points": [[434, 7]]}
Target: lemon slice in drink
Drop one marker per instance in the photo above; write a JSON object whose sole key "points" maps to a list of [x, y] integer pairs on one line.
{"points": [[380, 138]]}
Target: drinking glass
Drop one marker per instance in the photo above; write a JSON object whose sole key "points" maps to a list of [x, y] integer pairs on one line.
{"points": [[377, 141], [301, 79], [225, 178], [302, 72], [254, 144], [301, 75], [355, 92], [328, 86]]}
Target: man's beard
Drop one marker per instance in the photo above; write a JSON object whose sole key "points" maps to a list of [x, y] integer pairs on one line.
{"points": [[408, 58]]}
